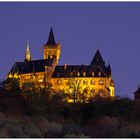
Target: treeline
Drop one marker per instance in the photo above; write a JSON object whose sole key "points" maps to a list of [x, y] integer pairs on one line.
{"points": [[40, 115]]}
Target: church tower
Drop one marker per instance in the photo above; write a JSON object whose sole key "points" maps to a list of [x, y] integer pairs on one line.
{"points": [[51, 48], [27, 54]]}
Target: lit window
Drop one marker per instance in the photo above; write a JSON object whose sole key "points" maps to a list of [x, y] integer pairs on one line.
{"points": [[92, 82], [84, 73], [101, 82], [92, 73], [111, 83], [40, 80], [33, 76], [59, 82], [70, 90], [92, 91], [101, 91], [71, 74], [78, 74], [99, 73], [47, 69], [85, 82], [78, 80]]}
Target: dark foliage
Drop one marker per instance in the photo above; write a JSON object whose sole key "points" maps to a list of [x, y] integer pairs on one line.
{"points": [[43, 114]]}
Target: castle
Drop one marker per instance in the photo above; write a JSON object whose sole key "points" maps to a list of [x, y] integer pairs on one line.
{"points": [[90, 80]]}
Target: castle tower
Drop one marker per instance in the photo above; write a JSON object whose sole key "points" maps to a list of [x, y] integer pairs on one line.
{"points": [[109, 82], [27, 54], [98, 60], [51, 48]]}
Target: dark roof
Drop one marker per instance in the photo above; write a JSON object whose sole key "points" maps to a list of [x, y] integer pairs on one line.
{"points": [[137, 91], [31, 66], [98, 60], [108, 69], [51, 40], [61, 71]]}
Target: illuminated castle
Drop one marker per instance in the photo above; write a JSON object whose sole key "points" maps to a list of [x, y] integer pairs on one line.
{"points": [[90, 80]]}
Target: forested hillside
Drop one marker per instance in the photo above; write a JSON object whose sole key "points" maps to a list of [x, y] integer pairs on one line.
{"points": [[40, 115]]}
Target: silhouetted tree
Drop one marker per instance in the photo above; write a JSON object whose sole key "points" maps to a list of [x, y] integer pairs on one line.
{"points": [[75, 85], [11, 85]]}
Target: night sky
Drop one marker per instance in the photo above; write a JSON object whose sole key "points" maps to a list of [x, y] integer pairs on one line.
{"points": [[81, 28]]}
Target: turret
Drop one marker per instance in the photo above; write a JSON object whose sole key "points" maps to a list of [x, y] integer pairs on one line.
{"points": [[109, 74]]}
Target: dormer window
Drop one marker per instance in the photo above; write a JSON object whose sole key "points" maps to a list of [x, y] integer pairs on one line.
{"points": [[99, 73], [84, 73], [93, 73], [71, 74], [78, 74]]}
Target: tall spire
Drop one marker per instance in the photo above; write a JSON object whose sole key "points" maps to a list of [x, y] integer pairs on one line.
{"points": [[27, 54], [51, 40], [98, 60]]}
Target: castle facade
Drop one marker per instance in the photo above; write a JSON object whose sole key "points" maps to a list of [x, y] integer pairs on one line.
{"points": [[88, 80]]}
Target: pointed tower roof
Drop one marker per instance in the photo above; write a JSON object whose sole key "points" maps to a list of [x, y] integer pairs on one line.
{"points": [[109, 70], [51, 40], [27, 54], [109, 67], [98, 60], [27, 47]]}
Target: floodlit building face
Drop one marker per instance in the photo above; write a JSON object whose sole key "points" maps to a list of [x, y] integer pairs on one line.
{"points": [[88, 80]]}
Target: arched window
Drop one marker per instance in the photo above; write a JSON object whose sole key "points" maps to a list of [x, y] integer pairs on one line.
{"points": [[71, 74], [85, 82], [92, 82], [84, 73], [92, 93], [99, 73], [93, 73], [101, 82], [78, 74], [101, 91], [59, 82]]}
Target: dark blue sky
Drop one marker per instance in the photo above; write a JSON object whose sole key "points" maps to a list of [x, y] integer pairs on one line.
{"points": [[78, 27]]}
